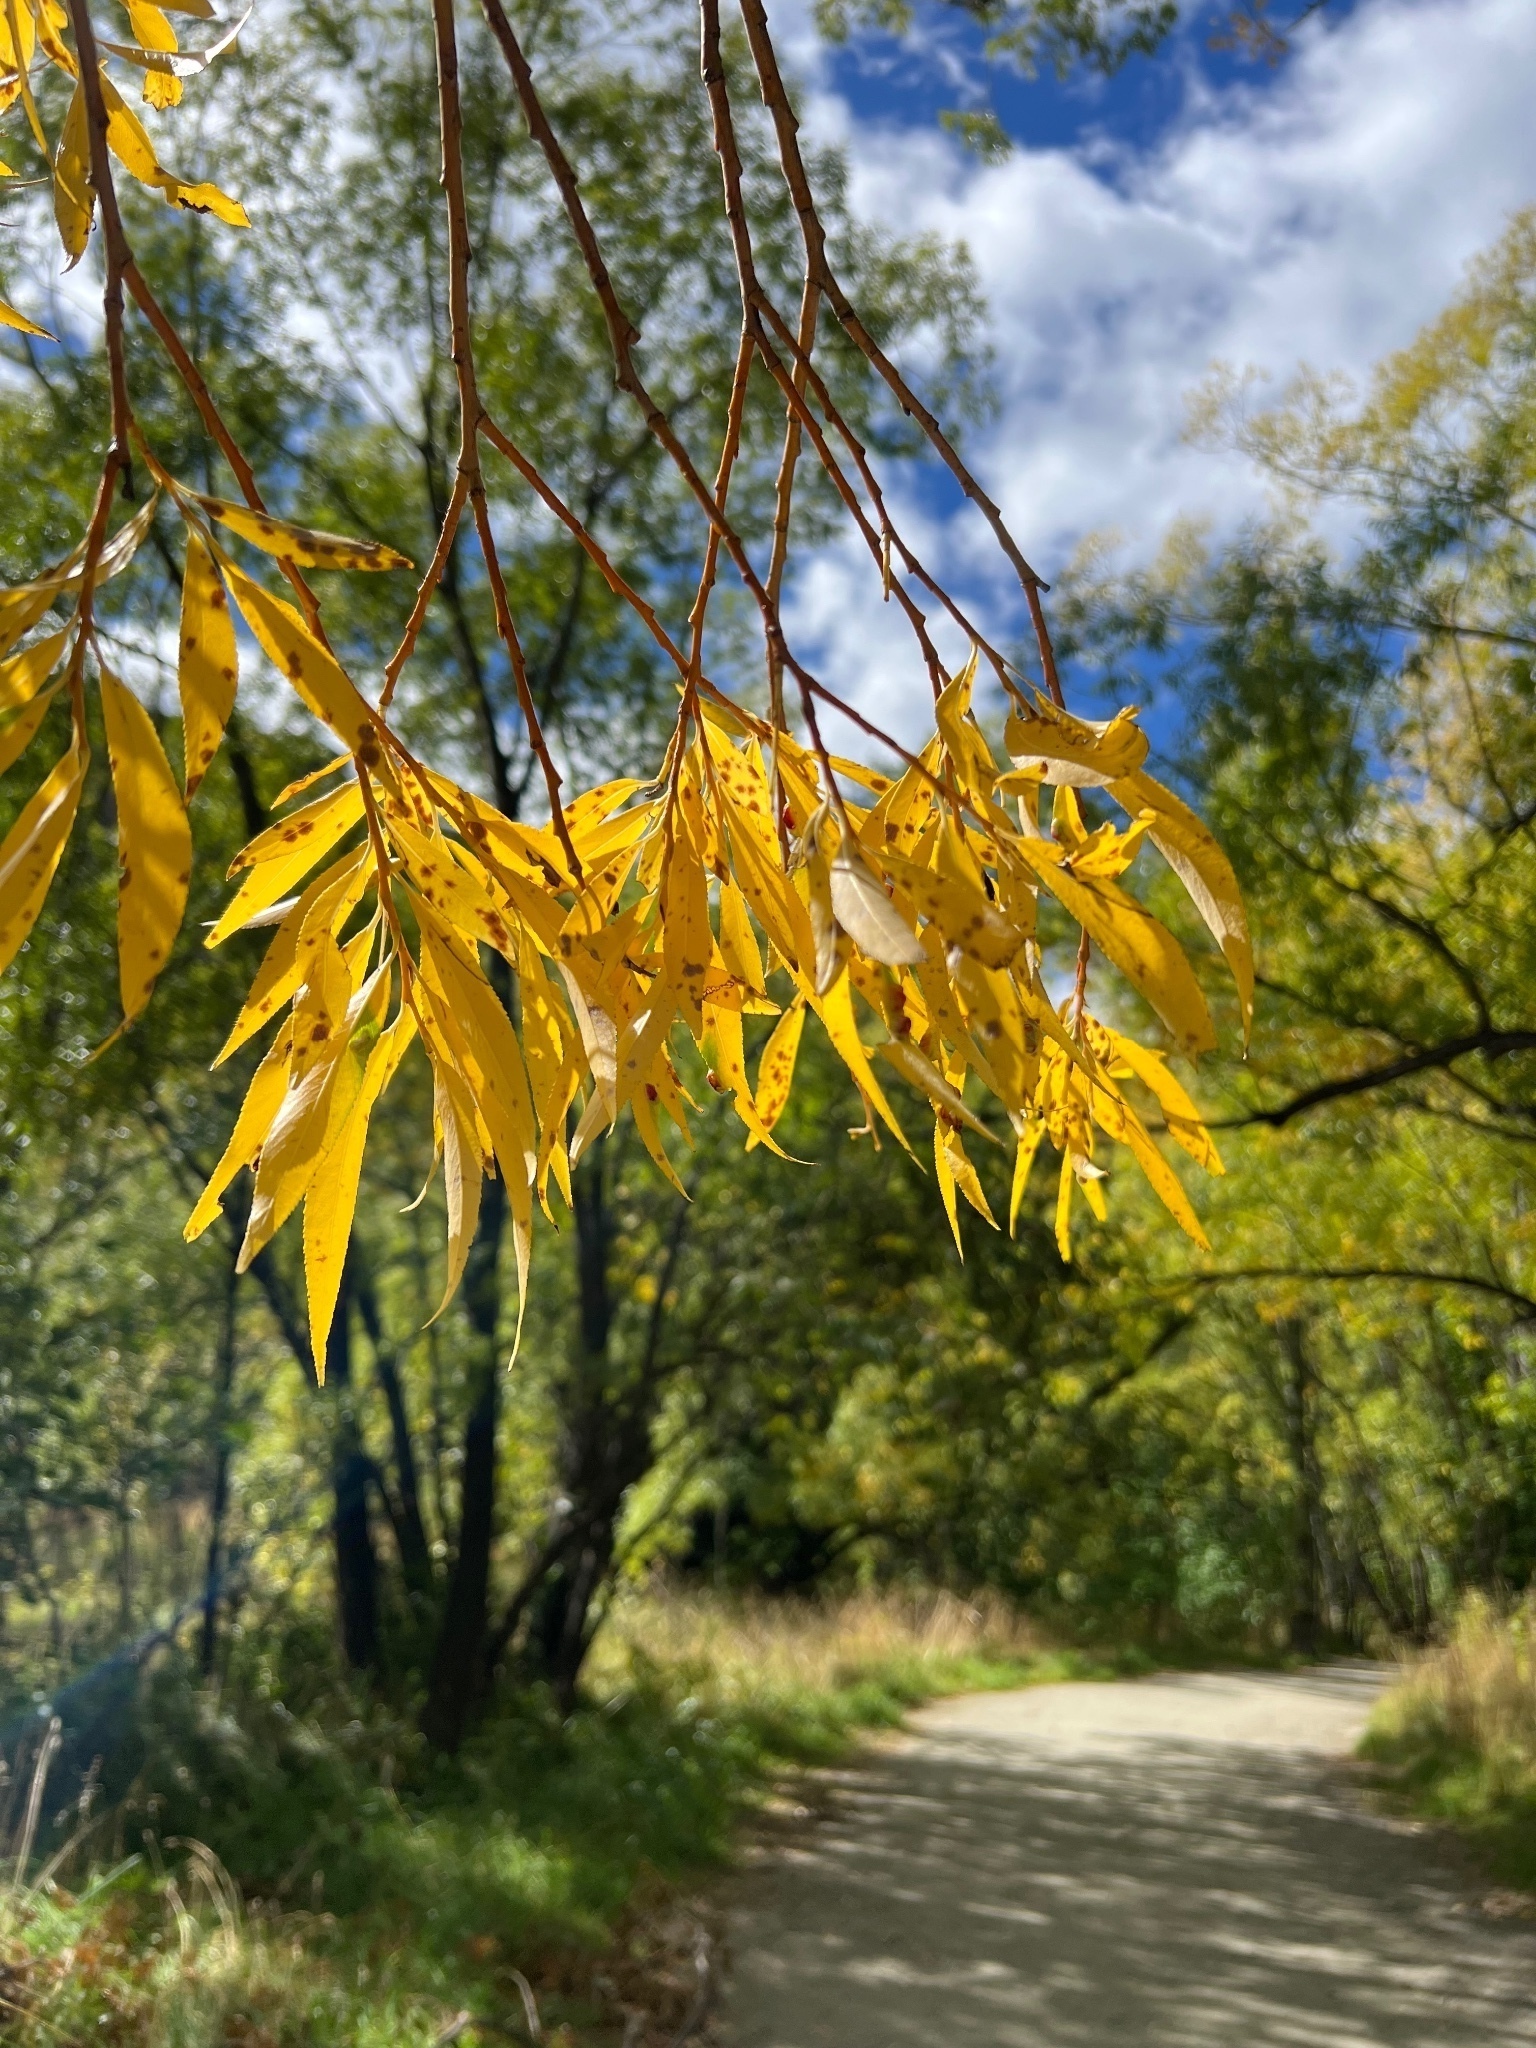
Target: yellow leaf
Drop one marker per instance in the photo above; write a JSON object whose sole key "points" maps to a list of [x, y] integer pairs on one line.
{"points": [[867, 914], [915, 1066], [154, 845], [208, 669], [269, 1083], [312, 669], [154, 32], [9, 317], [1121, 1122], [963, 741], [777, 907], [51, 18], [687, 944], [31, 851], [959, 908], [300, 544], [965, 1175], [1023, 1159], [738, 941], [295, 1146], [461, 1181], [945, 1175], [544, 1040], [1064, 1209], [650, 1137], [776, 1068], [643, 1041], [731, 1072], [831, 940], [22, 41], [301, 783], [1185, 1125], [452, 888], [24, 674], [486, 1029], [74, 196], [1051, 746], [130, 144], [268, 882], [322, 909], [21, 729], [835, 1009], [1005, 1028], [1144, 949], [1195, 857], [330, 1201]]}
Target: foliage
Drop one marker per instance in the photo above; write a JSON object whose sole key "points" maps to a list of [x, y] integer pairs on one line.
{"points": [[377, 1901], [924, 899]]}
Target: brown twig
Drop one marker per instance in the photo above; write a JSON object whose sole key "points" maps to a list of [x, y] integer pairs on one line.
{"points": [[117, 464], [622, 332], [451, 122], [786, 127], [1080, 985], [439, 562], [596, 554]]}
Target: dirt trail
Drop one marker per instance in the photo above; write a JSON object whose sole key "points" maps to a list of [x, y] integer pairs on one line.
{"points": [[1175, 1863]]}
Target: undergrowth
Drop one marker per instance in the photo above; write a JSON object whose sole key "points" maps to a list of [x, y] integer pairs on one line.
{"points": [[1456, 1739], [288, 1865]]}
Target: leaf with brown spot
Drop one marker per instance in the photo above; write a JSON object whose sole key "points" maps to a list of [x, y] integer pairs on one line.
{"points": [[31, 851], [301, 544], [154, 844], [296, 654], [207, 672], [288, 860]]}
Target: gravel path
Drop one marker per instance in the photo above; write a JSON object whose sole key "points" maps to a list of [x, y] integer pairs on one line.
{"points": [[1174, 1863]]}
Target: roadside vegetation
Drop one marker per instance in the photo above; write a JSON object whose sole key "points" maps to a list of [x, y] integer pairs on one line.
{"points": [[290, 1864], [1455, 1740]]}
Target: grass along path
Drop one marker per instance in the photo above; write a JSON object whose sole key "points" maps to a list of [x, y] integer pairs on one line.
{"points": [[359, 1893]]}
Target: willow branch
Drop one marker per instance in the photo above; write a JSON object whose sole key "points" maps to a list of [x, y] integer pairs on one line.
{"points": [[805, 374], [792, 161], [622, 332], [451, 122], [197, 389], [439, 562], [810, 307], [581, 534], [118, 257]]}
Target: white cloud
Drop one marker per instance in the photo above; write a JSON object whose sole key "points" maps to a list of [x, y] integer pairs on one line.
{"points": [[1320, 218]]}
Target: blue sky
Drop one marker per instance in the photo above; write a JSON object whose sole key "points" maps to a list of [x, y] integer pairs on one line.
{"points": [[944, 65], [1188, 212]]}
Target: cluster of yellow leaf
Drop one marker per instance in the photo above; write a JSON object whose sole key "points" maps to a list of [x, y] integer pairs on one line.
{"points": [[906, 922], [35, 29], [550, 974]]}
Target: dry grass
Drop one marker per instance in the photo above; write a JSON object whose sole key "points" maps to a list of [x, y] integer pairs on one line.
{"points": [[1457, 1735], [1476, 1693], [747, 1650]]}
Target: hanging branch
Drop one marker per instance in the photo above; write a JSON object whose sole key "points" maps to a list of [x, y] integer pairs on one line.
{"points": [[787, 128], [451, 117], [387, 889]]}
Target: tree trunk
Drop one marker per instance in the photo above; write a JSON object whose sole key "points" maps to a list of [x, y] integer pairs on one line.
{"points": [[1305, 1632], [609, 1408], [357, 1565], [405, 1515], [458, 1659], [218, 1504]]}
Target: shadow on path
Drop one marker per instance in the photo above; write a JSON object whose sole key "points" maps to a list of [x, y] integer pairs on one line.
{"points": [[1066, 1869]]}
